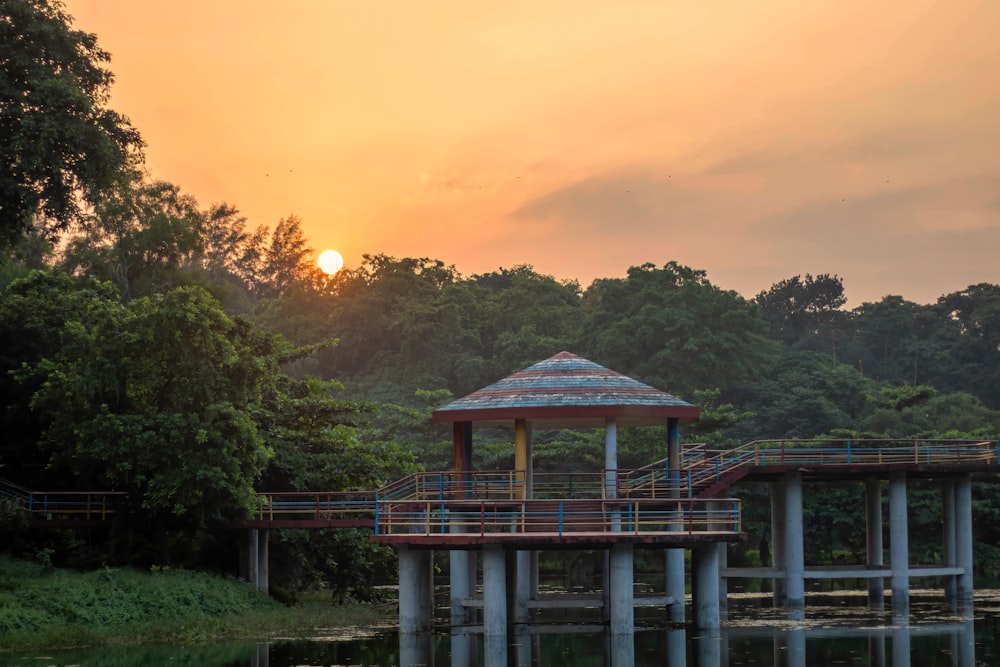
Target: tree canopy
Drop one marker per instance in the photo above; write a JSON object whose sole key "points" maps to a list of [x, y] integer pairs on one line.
{"points": [[62, 146]]}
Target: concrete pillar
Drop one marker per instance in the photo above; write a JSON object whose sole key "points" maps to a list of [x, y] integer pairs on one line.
{"points": [[415, 587], [778, 539], [949, 536], [705, 586], [263, 564], [963, 538], [494, 651], [622, 611], [494, 591], [460, 586], [675, 557], [899, 544], [873, 540], [522, 587], [463, 650], [253, 539], [795, 592]]}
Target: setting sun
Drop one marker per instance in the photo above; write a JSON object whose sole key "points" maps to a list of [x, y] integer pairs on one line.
{"points": [[330, 261]]}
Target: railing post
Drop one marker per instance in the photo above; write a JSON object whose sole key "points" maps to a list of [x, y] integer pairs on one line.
{"points": [[377, 508], [690, 485], [848, 452], [560, 518]]}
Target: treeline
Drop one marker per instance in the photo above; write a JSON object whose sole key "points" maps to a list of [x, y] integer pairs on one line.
{"points": [[174, 352]]}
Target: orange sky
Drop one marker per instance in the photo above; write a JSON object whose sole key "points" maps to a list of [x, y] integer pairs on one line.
{"points": [[755, 140]]}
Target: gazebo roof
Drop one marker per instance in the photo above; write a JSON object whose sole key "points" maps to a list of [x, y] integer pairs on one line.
{"points": [[567, 391]]}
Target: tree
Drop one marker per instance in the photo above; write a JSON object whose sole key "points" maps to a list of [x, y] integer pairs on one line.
{"points": [[157, 397], [803, 309], [144, 236], [674, 330], [61, 144]]}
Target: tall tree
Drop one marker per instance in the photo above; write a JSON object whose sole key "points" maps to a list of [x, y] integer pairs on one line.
{"points": [[804, 310], [62, 146], [671, 328]]}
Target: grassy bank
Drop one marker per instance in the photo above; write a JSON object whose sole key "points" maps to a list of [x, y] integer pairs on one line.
{"points": [[45, 607]]}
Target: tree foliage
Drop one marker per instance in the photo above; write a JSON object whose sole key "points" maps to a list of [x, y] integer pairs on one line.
{"points": [[62, 146]]}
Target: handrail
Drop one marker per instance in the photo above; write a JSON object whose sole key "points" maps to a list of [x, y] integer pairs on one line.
{"points": [[559, 517]]}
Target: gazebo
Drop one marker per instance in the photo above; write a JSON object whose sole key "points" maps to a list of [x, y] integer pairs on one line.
{"points": [[563, 391]]}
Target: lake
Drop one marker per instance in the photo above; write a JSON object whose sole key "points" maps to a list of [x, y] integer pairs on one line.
{"points": [[837, 631]]}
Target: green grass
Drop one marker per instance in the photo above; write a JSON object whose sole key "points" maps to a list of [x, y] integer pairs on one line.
{"points": [[44, 607]]}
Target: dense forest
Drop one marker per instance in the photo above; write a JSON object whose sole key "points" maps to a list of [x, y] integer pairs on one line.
{"points": [[180, 353]]}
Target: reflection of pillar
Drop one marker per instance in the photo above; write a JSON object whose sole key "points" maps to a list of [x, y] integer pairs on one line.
{"points": [[965, 641], [705, 586], [901, 641], [876, 649], [677, 646], [463, 650], [795, 593], [415, 589], [522, 645], [873, 539], [796, 647], [949, 542], [899, 544], [963, 538], [621, 649], [778, 539], [709, 650], [675, 557], [494, 591], [622, 613], [494, 651], [416, 649]]}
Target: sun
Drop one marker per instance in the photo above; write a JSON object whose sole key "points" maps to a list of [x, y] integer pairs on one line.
{"points": [[330, 261]]}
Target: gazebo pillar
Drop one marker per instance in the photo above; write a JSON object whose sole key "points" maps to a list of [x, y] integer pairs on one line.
{"points": [[675, 557]]}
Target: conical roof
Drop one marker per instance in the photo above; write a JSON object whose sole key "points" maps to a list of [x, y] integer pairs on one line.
{"points": [[567, 391]]}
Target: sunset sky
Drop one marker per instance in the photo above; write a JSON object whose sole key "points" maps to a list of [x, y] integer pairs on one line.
{"points": [[755, 140]]}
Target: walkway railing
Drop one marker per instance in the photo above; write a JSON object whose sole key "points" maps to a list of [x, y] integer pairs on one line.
{"points": [[493, 485], [60, 505], [557, 517], [316, 506], [700, 473]]}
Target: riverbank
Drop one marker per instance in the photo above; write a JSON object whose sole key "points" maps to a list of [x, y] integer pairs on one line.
{"points": [[46, 607]]}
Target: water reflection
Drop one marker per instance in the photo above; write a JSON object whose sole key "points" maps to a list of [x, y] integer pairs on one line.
{"points": [[825, 637]]}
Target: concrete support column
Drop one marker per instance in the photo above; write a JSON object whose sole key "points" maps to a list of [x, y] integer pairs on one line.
{"points": [[778, 539], [705, 586], [494, 591], [460, 586], [675, 557], [522, 587], [795, 591], [949, 537], [963, 538], [873, 540], [253, 539], [415, 591], [899, 543], [263, 566], [622, 613]]}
